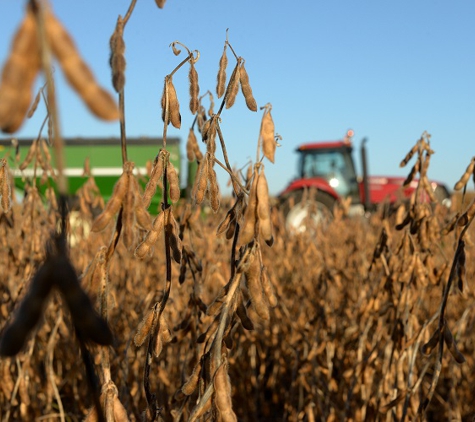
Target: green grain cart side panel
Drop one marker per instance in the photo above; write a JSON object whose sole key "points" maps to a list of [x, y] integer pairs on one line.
{"points": [[105, 160]]}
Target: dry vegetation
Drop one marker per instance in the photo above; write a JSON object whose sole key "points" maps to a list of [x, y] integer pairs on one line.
{"points": [[211, 310]]}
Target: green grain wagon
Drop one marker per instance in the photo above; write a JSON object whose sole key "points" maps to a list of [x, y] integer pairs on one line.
{"points": [[104, 156]]}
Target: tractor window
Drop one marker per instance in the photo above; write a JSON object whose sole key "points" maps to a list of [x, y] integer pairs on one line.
{"points": [[336, 167]]}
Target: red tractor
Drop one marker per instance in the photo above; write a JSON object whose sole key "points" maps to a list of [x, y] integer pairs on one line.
{"points": [[327, 170]]}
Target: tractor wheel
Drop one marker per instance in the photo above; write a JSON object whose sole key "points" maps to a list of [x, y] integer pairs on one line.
{"points": [[302, 212]]}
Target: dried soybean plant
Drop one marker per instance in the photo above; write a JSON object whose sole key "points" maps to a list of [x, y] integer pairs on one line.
{"points": [[5, 187], [154, 327], [39, 35], [413, 270], [209, 380], [443, 336], [205, 182], [125, 203], [405, 263], [210, 370]]}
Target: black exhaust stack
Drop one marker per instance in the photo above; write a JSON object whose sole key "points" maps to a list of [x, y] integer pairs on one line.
{"points": [[364, 164]]}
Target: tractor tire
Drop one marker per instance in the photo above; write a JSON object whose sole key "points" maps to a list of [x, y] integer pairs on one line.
{"points": [[303, 215]]}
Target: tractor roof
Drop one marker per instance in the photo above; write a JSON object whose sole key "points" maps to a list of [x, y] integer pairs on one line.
{"points": [[324, 145]]}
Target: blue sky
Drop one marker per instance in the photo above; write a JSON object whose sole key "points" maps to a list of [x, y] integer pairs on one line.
{"points": [[388, 70]]}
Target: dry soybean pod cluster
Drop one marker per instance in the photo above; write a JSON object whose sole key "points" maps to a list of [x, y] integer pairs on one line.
{"points": [[5, 188], [19, 74]]}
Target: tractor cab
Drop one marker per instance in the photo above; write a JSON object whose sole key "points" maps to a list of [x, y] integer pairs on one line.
{"points": [[332, 163]]}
